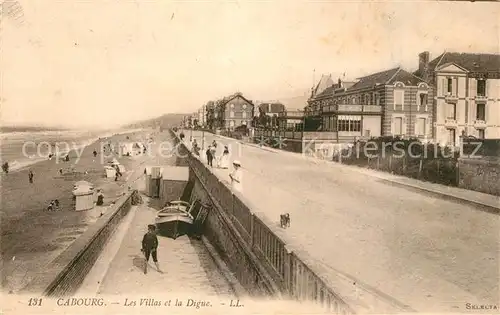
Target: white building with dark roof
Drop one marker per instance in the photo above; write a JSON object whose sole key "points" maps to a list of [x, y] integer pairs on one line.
{"points": [[467, 94]]}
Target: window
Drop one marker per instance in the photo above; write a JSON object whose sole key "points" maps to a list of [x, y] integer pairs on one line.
{"points": [[452, 113], [399, 97], [231, 114], [451, 137], [244, 114], [480, 133], [481, 88], [420, 127], [480, 111], [244, 106], [423, 100], [398, 125], [232, 105], [449, 85], [349, 123], [376, 97], [231, 123]]}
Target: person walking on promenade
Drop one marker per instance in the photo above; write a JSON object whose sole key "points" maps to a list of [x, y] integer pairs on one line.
{"points": [[150, 247], [30, 176], [210, 157], [236, 177], [224, 160], [213, 151]]}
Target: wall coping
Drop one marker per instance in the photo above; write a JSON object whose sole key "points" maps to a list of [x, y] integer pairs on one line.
{"points": [[50, 276], [484, 160]]}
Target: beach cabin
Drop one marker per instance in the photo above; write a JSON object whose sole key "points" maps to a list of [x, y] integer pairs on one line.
{"points": [[153, 177], [147, 174], [174, 181], [84, 198], [83, 183], [109, 171], [126, 148], [114, 163]]}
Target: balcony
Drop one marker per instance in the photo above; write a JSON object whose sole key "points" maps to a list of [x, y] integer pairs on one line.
{"points": [[291, 114], [352, 109], [481, 99], [450, 122], [479, 123], [449, 98]]}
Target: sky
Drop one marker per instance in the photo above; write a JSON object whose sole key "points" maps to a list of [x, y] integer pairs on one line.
{"points": [[102, 63]]}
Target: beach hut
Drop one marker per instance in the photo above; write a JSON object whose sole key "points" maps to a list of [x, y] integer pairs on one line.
{"points": [[109, 171], [173, 183], [83, 183], [115, 163], [147, 174], [126, 148], [84, 198]]}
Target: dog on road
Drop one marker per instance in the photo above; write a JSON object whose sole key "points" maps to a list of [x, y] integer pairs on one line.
{"points": [[285, 220]]}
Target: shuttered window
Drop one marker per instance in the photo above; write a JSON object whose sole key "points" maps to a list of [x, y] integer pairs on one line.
{"points": [[399, 97], [420, 127], [398, 125]]}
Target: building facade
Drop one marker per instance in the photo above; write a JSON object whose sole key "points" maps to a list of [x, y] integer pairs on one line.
{"points": [[202, 116], [234, 111], [467, 95], [388, 103]]}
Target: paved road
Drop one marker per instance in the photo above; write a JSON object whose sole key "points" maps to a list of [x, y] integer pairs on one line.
{"points": [[431, 254]]}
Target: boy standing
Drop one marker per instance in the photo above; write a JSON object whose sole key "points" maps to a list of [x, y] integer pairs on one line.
{"points": [[150, 247]]}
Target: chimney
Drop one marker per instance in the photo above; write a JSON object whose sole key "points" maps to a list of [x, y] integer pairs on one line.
{"points": [[423, 65], [340, 83]]}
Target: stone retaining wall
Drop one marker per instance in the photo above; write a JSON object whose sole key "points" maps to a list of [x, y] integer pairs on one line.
{"points": [[64, 275], [480, 174]]}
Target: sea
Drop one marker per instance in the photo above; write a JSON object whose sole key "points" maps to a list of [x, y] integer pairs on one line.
{"points": [[24, 148]]}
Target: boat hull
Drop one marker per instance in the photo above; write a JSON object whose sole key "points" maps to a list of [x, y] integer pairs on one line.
{"points": [[174, 225]]}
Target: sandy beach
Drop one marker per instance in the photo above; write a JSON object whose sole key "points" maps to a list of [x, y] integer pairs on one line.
{"points": [[31, 236]]}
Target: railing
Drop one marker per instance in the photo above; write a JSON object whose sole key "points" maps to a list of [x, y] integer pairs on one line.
{"points": [[348, 108], [291, 114], [291, 274]]}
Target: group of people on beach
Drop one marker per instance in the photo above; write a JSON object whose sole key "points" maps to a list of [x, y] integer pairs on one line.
{"points": [[53, 205]]}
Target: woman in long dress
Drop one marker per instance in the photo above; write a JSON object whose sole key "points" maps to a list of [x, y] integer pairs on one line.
{"points": [[224, 160]]}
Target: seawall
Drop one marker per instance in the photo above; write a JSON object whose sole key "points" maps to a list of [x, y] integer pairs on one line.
{"points": [[63, 276], [254, 250]]}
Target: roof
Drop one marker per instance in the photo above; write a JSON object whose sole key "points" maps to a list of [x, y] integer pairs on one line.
{"points": [[177, 173], [325, 82], [387, 77], [272, 107], [229, 98], [468, 61]]}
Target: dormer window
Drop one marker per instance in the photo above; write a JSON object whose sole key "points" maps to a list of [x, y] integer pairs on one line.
{"points": [[422, 100]]}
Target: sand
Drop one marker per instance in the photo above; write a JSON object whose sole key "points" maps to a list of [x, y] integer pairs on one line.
{"points": [[31, 236]]}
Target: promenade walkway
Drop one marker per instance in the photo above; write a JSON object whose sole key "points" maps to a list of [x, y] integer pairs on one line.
{"points": [[186, 264], [411, 248]]}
